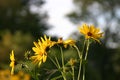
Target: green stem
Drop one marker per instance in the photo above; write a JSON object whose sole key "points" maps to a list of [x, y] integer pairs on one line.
{"points": [[57, 62], [73, 72], [83, 72], [78, 51], [62, 57], [35, 74], [86, 54], [63, 66], [80, 57], [57, 65], [87, 48], [54, 62]]}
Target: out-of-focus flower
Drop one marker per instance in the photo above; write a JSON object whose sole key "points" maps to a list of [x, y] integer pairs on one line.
{"points": [[72, 61], [91, 32], [40, 50], [6, 75], [23, 75], [12, 63], [14, 77]]}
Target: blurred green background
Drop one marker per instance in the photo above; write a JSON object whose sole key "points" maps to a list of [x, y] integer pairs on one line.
{"points": [[19, 27]]}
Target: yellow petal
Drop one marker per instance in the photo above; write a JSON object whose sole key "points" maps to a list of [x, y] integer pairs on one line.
{"points": [[44, 58]]}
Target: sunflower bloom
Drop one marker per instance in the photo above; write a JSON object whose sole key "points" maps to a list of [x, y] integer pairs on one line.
{"points": [[91, 32], [12, 63], [40, 50]]}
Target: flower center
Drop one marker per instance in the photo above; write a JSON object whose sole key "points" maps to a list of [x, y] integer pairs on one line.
{"points": [[89, 34]]}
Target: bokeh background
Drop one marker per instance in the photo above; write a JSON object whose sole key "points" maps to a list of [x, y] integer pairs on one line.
{"points": [[21, 24]]}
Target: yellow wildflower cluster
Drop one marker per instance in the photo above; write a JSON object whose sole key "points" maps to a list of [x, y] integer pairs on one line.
{"points": [[44, 44], [6, 75]]}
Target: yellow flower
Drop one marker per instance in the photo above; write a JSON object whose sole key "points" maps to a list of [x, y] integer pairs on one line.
{"points": [[12, 63], [23, 76], [5, 75], [91, 32], [70, 42], [40, 50], [15, 77], [72, 61], [60, 41]]}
